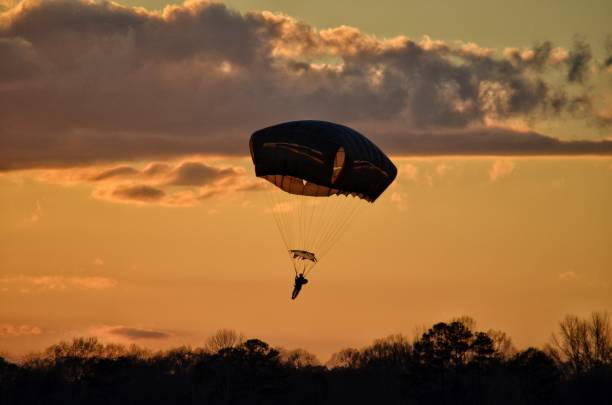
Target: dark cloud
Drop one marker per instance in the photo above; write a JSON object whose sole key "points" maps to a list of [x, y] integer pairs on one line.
{"points": [[142, 193], [608, 59], [578, 62], [121, 171], [136, 333], [90, 82], [197, 174], [182, 183], [491, 142], [156, 169], [18, 60]]}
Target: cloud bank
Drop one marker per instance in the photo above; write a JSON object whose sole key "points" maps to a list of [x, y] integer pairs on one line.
{"points": [[90, 82]]}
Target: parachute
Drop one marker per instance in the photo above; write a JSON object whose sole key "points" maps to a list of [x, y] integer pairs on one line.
{"points": [[321, 174]]}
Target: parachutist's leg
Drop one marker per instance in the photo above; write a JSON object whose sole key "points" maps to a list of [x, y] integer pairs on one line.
{"points": [[296, 291]]}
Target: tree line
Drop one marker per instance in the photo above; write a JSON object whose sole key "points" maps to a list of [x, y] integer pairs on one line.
{"points": [[449, 363]]}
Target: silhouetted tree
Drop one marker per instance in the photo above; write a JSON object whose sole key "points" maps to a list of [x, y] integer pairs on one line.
{"points": [[223, 339], [450, 363], [444, 345], [393, 351], [583, 344], [482, 349], [535, 376], [502, 343], [345, 358], [299, 358], [81, 347]]}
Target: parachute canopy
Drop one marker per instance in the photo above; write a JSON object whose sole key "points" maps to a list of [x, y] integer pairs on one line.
{"points": [[307, 160], [318, 158]]}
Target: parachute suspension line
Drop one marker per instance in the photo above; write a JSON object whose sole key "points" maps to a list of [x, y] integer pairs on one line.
{"points": [[337, 213], [290, 214], [350, 206], [301, 218], [314, 227], [323, 221], [311, 223], [352, 212], [298, 222], [272, 205], [332, 219]]}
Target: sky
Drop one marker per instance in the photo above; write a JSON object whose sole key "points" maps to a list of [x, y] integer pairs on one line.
{"points": [[129, 208]]}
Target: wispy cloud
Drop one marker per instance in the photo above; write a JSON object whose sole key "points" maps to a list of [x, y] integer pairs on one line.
{"points": [[139, 333], [171, 83], [501, 169], [399, 200], [173, 183], [126, 334], [443, 169], [120, 171], [409, 171], [568, 275], [55, 283], [138, 192], [11, 330], [36, 214]]}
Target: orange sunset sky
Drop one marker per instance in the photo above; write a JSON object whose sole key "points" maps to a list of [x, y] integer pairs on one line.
{"points": [[129, 208]]}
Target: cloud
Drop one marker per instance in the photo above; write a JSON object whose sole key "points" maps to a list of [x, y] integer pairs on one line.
{"points": [[490, 141], [10, 330], [177, 183], [108, 83], [121, 171], [25, 284], [607, 63], [184, 182], [399, 200], [36, 214], [443, 169], [142, 193], [417, 174], [409, 171], [197, 174], [126, 334], [568, 275], [501, 169], [6, 4], [138, 333], [578, 61]]}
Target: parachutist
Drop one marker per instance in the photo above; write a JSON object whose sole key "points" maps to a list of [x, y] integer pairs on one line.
{"points": [[322, 173], [299, 282]]}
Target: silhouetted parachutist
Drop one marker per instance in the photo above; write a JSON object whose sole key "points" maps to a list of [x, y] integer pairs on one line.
{"points": [[299, 282]]}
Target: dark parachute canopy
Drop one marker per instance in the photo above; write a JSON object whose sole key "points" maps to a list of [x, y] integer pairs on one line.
{"points": [[318, 158], [306, 159]]}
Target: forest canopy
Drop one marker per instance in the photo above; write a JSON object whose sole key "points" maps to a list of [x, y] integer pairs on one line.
{"points": [[449, 362]]}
